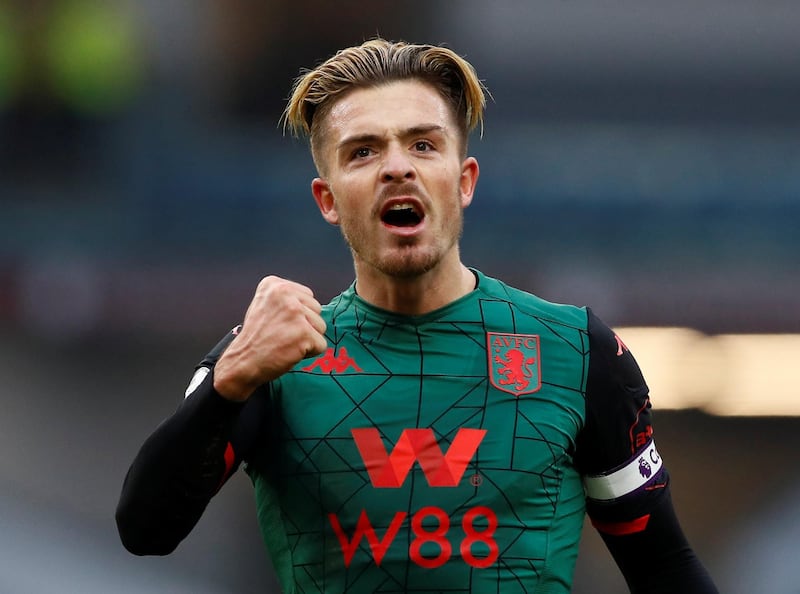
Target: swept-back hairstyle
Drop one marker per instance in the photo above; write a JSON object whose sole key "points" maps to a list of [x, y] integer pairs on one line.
{"points": [[376, 62]]}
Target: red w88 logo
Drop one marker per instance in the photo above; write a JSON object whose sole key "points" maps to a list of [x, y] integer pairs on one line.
{"points": [[431, 546], [389, 470]]}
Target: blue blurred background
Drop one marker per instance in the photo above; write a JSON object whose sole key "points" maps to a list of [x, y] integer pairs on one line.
{"points": [[641, 158]]}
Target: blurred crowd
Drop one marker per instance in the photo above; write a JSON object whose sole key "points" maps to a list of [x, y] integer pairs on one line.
{"points": [[140, 151], [66, 68], [71, 68], [640, 158]]}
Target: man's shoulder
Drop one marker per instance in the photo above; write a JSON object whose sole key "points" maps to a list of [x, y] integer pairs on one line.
{"points": [[530, 303]]}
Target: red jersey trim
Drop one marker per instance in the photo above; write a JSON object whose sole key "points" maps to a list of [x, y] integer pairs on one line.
{"points": [[230, 459], [622, 528]]}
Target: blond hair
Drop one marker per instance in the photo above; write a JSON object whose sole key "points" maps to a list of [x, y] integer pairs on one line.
{"points": [[377, 62]]}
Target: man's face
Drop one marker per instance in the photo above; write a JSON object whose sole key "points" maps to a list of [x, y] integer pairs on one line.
{"points": [[395, 181]]}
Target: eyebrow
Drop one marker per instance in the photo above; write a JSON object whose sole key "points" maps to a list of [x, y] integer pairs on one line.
{"points": [[367, 138]]}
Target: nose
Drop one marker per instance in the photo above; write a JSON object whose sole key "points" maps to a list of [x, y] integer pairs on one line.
{"points": [[397, 165]]}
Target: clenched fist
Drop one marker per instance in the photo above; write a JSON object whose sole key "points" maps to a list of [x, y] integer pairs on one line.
{"points": [[282, 326]]}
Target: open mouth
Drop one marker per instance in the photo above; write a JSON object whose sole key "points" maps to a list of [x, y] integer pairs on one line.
{"points": [[402, 214]]}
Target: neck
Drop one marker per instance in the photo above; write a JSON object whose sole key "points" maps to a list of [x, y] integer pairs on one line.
{"points": [[416, 295]]}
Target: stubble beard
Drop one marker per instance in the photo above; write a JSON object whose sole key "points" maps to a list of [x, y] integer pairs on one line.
{"points": [[408, 259]]}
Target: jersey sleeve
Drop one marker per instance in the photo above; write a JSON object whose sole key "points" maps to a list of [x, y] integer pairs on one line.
{"points": [[625, 480], [615, 451], [185, 461]]}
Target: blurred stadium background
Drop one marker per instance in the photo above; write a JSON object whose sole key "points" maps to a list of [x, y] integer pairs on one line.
{"points": [[641, 158]]}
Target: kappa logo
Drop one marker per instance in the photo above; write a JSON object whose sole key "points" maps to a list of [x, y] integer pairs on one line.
{"points": [[514, 362], [621, 346], [416, 445], [330, 363]]}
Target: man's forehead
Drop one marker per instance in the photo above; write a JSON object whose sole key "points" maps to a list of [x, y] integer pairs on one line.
{"points": [[390, 108]]}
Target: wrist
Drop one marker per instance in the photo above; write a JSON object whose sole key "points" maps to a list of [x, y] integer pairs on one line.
{"points": [[233, 383]]}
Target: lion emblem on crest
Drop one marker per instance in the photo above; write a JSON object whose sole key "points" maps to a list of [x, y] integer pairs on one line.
{"points": [[515, 369]]}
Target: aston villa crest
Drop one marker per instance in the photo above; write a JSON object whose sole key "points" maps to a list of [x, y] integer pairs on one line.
{"points": [[514, 362]]}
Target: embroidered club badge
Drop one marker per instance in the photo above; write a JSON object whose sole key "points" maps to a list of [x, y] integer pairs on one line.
{"points": [[514, 362]]}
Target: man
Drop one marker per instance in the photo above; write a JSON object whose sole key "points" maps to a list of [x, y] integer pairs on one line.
{"points": [[431, 429]]}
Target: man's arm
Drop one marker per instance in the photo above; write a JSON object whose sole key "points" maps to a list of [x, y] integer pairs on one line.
{"points": [[627, 484], [190, 455], [655, 557], [184, 463]]}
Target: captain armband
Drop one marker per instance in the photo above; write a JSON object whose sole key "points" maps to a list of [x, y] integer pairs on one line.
{"points": [[634, 475]]}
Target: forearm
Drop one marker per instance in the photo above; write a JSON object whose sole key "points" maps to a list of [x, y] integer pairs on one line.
{"points": [[176, 472], [658, 558]]}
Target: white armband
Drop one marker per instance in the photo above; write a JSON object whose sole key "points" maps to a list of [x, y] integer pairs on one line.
{"points": [[627, 479]]}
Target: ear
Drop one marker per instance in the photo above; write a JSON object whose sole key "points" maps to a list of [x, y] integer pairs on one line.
{"points": [[469, 179], [326, 203]]}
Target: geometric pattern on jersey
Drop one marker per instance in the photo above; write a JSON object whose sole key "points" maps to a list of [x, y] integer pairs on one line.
{"points": [[395, 465]]}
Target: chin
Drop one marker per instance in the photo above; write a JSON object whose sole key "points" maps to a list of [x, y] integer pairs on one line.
{"points": [[408, 265], [407, 261]]}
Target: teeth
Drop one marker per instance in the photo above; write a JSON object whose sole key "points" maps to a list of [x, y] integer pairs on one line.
{"points": [[402, 214], [398, 206]]}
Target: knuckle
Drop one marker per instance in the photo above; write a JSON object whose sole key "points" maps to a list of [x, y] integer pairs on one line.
{"points": [[270, 282], [266, 281], [295, 308]]}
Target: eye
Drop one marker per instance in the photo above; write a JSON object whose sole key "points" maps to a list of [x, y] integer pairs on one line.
{"points": [[422, 146], [362, 152]]}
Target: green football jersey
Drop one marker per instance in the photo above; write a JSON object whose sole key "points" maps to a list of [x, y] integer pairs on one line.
{"points": [[431, 453]]}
